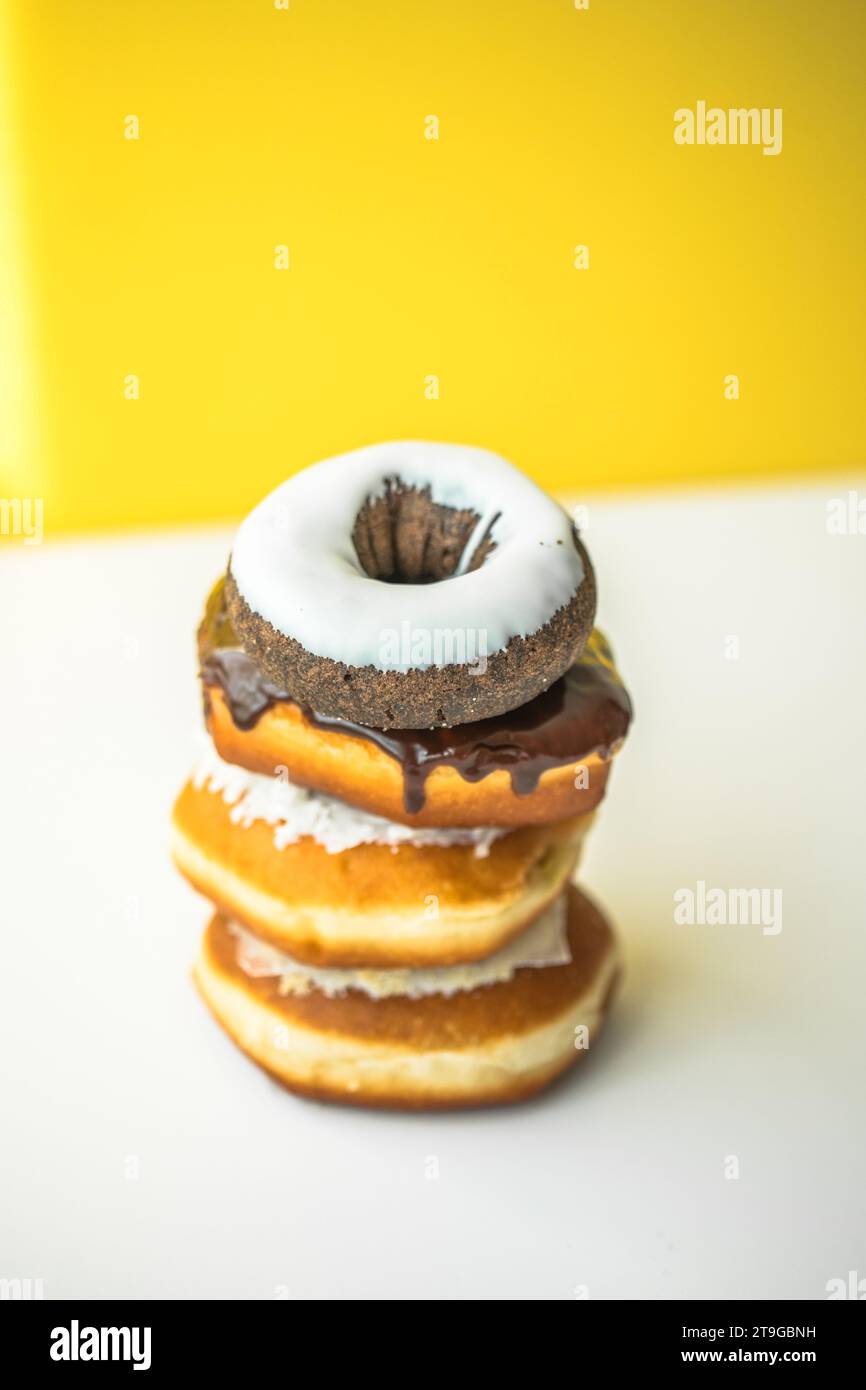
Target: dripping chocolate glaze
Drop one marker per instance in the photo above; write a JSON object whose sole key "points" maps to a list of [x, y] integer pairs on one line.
{"points": [[586, 711]]}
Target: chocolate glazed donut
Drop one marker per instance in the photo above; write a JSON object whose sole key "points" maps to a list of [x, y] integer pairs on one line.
{"points": [[519, 768], [371, 594]]}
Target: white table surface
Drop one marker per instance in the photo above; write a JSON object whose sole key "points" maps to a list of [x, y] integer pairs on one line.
{"points": [[742, 773]]}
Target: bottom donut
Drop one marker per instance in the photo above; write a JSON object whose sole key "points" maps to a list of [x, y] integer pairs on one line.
{"points": [[442, 1042]]}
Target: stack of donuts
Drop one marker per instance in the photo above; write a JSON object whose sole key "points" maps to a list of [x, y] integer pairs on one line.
{"points": [[410, 724]]}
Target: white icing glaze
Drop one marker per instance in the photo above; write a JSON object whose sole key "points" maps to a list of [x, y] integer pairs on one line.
{"points": [[295, 564], [296, 811], [542, 944]]}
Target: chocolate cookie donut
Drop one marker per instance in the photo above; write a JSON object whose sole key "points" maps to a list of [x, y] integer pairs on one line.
{"points": [[411, 586]]}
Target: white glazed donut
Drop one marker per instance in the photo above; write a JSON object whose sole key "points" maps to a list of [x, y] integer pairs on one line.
{"points": [[411, 584]]}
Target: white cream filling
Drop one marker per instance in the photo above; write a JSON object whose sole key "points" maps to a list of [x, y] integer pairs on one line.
{"points": [[544, 943], [295, 812]]}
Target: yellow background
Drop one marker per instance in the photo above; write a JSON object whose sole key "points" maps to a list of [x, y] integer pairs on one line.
{"points": [[411, 257]]}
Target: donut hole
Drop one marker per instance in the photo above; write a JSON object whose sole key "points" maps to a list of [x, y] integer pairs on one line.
{"points": [[404, 537]]}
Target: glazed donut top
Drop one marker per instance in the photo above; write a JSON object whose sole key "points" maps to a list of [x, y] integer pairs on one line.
{"points": [[295, 562]]}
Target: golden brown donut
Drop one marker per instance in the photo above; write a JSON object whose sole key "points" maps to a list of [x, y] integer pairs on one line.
{"points": [[545, 762], [356, 770], [374, 904], [494, 1044]]}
